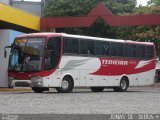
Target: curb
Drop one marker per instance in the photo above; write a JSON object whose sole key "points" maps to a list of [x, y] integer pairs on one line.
{"points": [[14, 89]]}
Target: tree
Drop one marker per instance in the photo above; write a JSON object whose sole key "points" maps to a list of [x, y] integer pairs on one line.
{"points": [[154, 3], [82, 8], [148, 33], [100, 28]]}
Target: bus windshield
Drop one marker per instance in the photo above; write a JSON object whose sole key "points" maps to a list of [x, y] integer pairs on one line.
{"points": [[26, 55]]}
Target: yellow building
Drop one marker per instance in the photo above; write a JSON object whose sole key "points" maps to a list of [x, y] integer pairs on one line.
{"points": [[13, 19]]}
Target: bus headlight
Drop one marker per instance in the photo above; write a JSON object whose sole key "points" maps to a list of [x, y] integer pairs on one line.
{"points": [[10, 79], [37, 81]]}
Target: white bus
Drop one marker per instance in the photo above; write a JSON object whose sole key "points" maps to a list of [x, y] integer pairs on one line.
{"points": [[63, 61]]}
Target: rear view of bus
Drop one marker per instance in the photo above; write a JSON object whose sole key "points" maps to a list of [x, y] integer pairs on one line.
{"points": [[62, 61]]}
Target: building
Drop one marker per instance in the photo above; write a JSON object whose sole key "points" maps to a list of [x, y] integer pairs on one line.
{"points": [[16, 17]]}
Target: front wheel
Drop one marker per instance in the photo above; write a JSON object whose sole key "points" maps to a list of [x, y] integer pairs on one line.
{"points": [[66, 85], [97, 89], [123, 85], [39, 89]]}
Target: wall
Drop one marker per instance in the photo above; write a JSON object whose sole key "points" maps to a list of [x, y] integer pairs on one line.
{"points": [[4, 41], [5, 1], [7, 36], [35, 8]]}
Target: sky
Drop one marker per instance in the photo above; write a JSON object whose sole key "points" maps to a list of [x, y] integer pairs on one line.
{"points": [[13, 34], [142, 2], [33, 0]]}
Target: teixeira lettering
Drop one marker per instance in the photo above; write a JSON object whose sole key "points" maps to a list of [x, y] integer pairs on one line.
{"points": [[114, 62]]}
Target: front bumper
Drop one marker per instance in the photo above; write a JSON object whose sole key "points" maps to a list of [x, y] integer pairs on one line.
{"points": [[34, 82]]}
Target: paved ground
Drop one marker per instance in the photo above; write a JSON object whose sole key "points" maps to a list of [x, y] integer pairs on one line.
{"points": [[81, 101]]}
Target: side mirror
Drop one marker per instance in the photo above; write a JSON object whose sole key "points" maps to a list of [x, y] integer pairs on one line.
{"points": [[157, 58], [5, 52], [45, 47]]}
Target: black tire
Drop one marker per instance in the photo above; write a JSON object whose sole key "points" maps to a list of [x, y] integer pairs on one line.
{"points": [[123, 85], [66, 85], [38, 89], [97, 89], [9, 86], [116, 89]]}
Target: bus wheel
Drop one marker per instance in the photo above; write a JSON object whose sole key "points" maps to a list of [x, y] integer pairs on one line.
{"points": [[66, 85], [97, 89], [9, 86], [37, 89], [123, 85]]}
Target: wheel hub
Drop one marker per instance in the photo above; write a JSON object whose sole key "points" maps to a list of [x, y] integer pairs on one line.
{"points": [[123, 84], [65, 84]]}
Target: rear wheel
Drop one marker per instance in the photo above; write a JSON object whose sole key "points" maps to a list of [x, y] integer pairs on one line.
{"points": [[66, 85], [123, 85], [97, 89]]}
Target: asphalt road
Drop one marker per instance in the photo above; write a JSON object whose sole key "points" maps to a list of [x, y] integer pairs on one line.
{"points": [[82, 101]]}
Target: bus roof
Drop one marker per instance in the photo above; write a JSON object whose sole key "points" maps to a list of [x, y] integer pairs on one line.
{"points": [[49, 34]]}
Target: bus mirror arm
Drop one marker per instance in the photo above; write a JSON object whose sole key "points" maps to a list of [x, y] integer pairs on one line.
{"points": [[5, 52]]}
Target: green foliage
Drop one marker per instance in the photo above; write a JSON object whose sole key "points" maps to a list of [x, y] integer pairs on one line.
{"points": [[56, 8], [154, 3], [100, 28], [68, 7], [143, 33], [82, 8], [147, 33], [145, 10]]}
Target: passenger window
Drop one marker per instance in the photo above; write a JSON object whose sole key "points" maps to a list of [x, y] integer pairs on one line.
{"points": [[116, 49], [140, 51], [87, 47], [130, 51], [70, 45], [102, 48], [149, 52]]}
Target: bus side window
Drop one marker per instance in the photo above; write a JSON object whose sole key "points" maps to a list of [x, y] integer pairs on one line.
{"points": [[149, 52], [52, 53], [116, 49], [106, 47], [133, 51], [140, 52], [130, 50], [102, 48], [88, 52], [70, 45], [86, 47]]}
